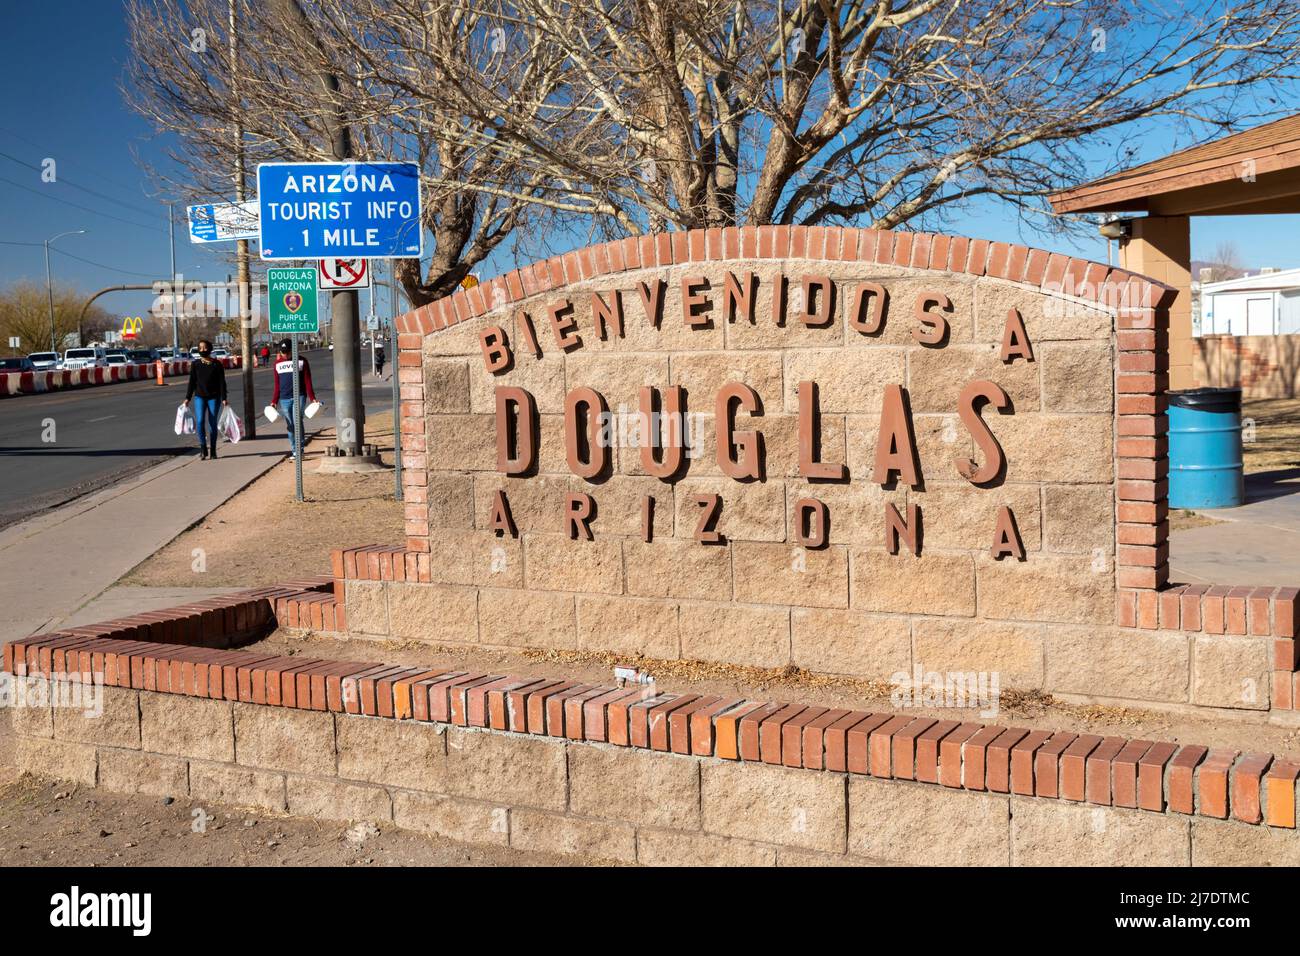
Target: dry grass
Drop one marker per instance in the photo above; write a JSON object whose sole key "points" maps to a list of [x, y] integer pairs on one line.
{"points": [[263, 535], [1276, 443]]}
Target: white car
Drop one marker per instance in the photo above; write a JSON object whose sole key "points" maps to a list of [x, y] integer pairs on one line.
{"points": [[44, 361], [75, 359], [221, 353], [116, 359]]}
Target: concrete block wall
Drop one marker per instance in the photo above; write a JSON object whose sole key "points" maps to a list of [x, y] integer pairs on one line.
{"points": [[602, 802]]}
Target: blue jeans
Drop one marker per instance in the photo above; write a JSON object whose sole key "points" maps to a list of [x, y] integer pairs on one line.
{"points": [[285, 405], [206, 412]]}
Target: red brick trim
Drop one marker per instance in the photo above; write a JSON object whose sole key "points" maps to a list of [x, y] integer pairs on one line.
{"points": [[1130, 295], [1154, 776]]}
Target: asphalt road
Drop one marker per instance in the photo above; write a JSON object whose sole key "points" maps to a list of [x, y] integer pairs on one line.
{"points": [[108, 433]]}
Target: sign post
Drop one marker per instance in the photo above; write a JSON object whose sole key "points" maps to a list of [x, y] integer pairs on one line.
{"points": [[293, 310]]}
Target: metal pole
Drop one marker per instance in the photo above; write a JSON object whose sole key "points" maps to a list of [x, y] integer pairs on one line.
{"points": [[397, 388], [370, 300], [49, 290], [171, 235], [297, 422], [246, 321]]}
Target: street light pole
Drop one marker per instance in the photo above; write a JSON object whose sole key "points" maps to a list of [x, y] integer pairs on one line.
{"points": [[49, 283]]}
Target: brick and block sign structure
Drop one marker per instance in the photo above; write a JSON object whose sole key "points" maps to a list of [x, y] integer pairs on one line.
{"points": [[850, 451]]}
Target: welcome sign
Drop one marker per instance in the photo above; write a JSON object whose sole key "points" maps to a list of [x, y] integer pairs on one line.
{"points": [[771, 447]]}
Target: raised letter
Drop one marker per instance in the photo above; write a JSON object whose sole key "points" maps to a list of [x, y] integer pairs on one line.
{"points": [[738, 297], [896, 445], [661, 428], [810, 438], [818, 301], [496, 351], [810, 520], [652, 297], [932, 328], [706, 529], [516, 452], [695, 305], [563, 326], [1015, 340], [500, 518], [739, 453], [1006, 537], [576, 435], [991, 451], [869, 296], [578, 507], [607, 314], [896, 527]]}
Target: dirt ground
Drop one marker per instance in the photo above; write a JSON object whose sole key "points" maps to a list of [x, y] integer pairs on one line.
{"points": [[46, 823], [1016, 708], [1276, 443], [263, 535]]}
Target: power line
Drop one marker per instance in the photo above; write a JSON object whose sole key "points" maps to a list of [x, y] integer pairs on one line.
{"points": [[84, 189], [41, 149], [89, 262], [68, 202]]}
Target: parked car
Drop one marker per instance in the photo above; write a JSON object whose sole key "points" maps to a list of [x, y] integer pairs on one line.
{"points": [[44, 361], [116, 360], [221, 353], [74, 359], [165, 354], [16, 364], [144, 356]]}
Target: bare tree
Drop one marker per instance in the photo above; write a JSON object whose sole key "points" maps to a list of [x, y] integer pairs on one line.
{"points": [[1226, 263], [182, 79], [25, 312], [719, 112]]}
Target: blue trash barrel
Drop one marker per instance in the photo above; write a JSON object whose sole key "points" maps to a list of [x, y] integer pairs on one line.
{"points": [[1205, 448]]}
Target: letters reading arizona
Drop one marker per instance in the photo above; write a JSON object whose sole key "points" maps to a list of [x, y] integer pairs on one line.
{"points": [[740, 450]]}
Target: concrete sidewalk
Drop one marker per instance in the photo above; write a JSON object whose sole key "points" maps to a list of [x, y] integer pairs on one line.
{"points": [[1258, 543], [53, 565]]}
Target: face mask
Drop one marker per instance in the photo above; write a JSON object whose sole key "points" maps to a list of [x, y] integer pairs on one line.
{"points": [[205, 353]]}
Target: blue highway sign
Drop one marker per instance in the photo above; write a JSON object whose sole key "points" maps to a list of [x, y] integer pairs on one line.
{"points": [[339, 210]]}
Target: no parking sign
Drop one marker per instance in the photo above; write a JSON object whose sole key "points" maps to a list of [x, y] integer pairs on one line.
{"points": [[344, 274]]}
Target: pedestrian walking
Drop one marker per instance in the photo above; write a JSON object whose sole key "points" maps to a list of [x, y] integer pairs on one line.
{"points": [[266, 355], [282, 396], [207, 385], [379, 360]]}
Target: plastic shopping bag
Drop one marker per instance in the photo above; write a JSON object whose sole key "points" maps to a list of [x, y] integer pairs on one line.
{"points": [[229, 425], [184, 420], [270, 413], [311, 410]]}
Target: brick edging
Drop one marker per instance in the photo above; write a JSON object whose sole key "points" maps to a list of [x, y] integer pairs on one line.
{"points": [[1108, 286], [1116, 771]]}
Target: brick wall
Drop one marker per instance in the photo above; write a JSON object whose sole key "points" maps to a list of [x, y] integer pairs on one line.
{"points": [[903, 798]]}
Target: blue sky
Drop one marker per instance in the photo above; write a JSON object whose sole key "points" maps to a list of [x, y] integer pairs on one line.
{"points": [[62, 64]]}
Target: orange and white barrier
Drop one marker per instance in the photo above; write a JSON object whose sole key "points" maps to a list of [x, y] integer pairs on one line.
{"points": [[34, 383]]}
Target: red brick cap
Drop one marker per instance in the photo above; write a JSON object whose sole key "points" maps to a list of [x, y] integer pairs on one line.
{"points": [[1045, 271]]}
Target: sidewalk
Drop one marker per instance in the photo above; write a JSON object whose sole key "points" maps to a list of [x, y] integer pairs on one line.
{"points": [[1258, 543], [51, 566]]}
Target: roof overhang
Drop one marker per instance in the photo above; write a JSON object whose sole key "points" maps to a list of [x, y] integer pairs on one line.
{"points": [[1251, 173]]}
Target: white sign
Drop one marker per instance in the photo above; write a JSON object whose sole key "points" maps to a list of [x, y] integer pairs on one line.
{"points": [[372, 324], [221, 222], [14, 341], [344, 274]]}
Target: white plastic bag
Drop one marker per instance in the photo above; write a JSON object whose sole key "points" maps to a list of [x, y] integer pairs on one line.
{"points": [[229, 425], [311, 410], [184, 420], [270, 413]]}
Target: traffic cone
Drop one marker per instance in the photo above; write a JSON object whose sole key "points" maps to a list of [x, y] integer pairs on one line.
{"points": [[160, 373]]}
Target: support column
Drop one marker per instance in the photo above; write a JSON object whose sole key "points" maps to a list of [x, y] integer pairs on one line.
{"points": [[1160, 247]]}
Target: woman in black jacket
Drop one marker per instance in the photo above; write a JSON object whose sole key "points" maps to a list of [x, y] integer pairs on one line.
{"points": [[208, 384]]}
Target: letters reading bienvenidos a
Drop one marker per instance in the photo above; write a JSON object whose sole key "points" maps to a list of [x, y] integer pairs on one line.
{"points": [[737, 407]]}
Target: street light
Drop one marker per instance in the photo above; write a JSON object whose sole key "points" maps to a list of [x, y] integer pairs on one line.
{"points": [[49, 285]]}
